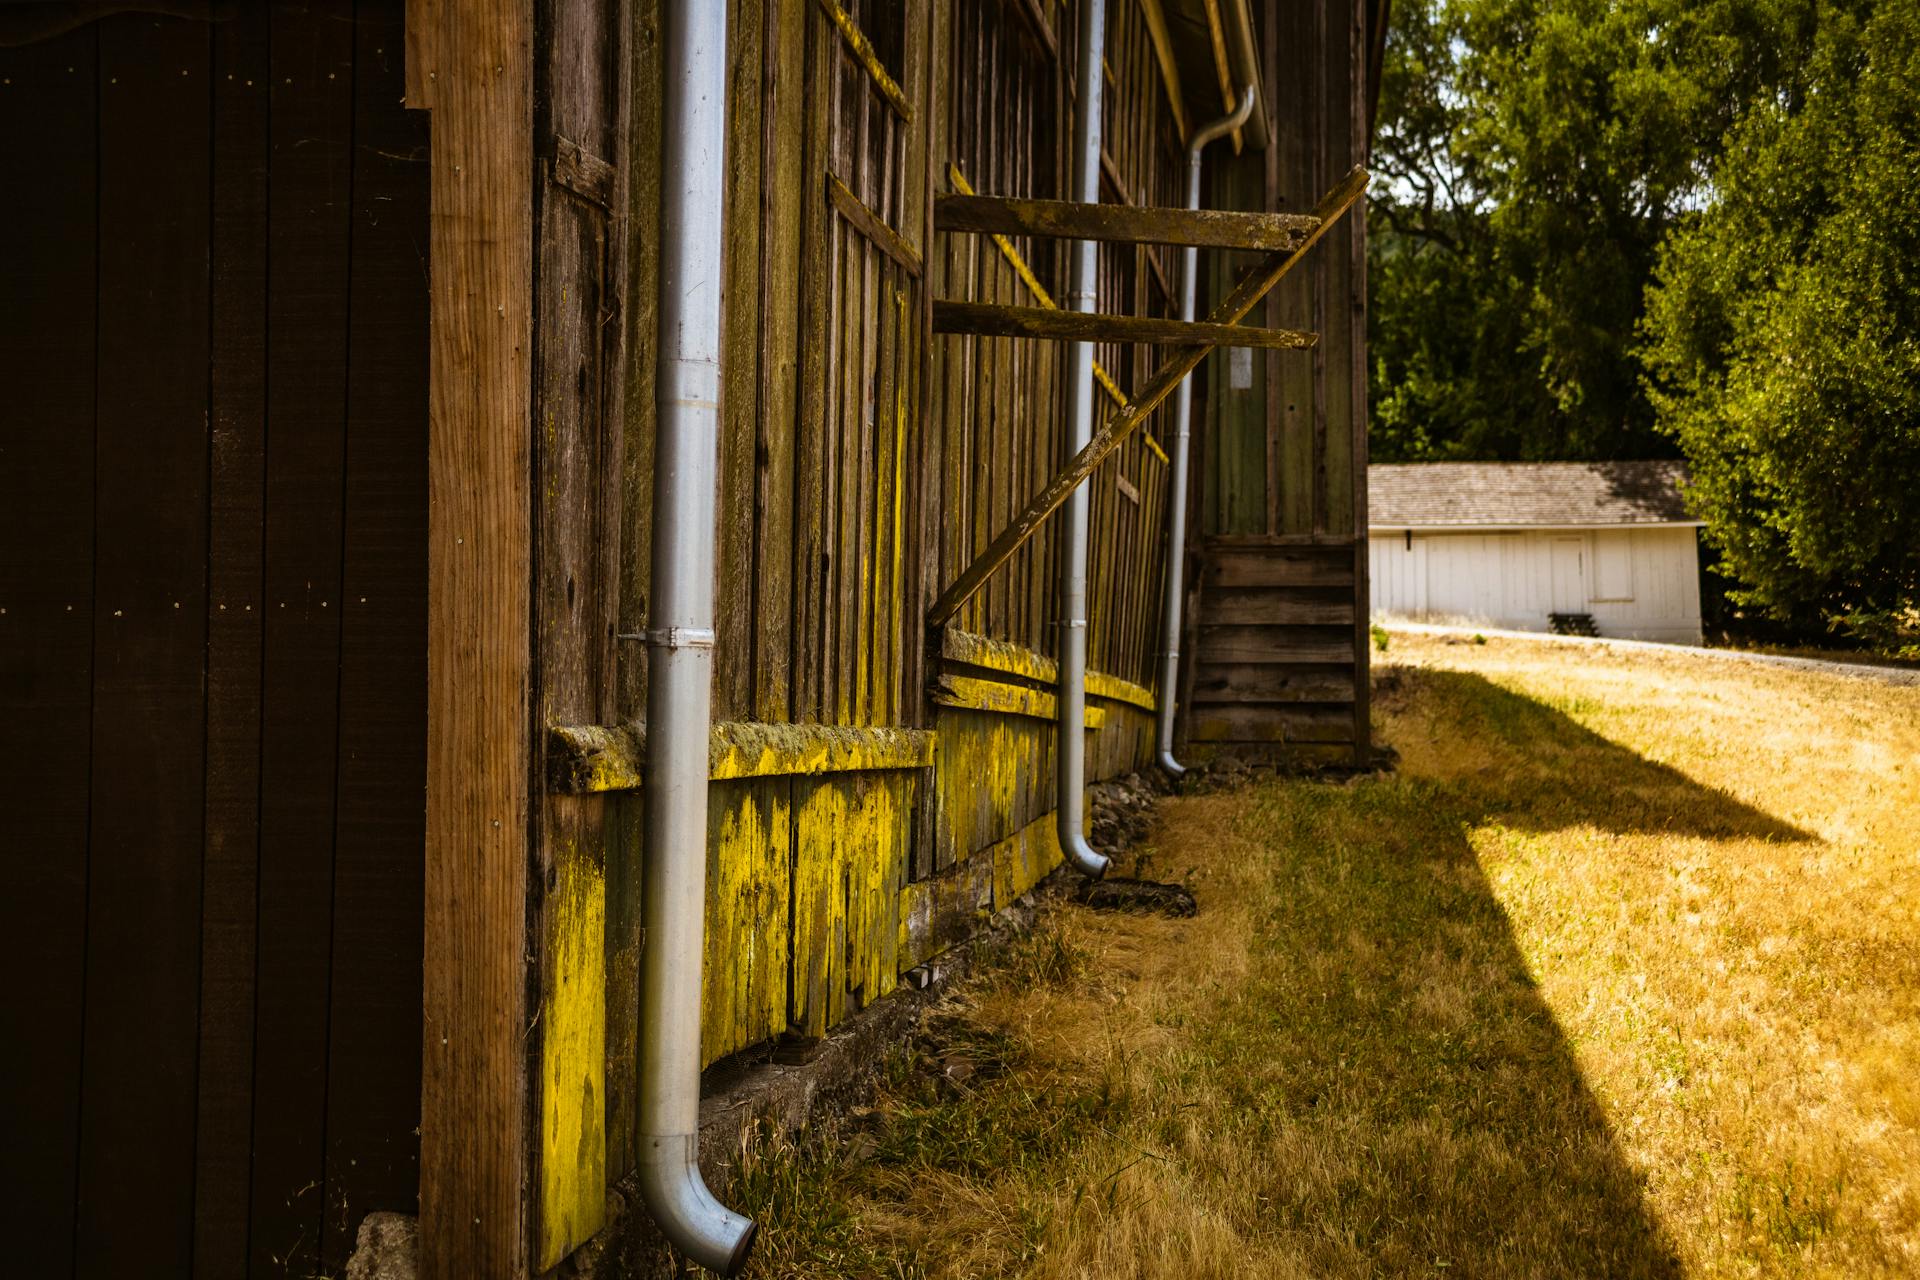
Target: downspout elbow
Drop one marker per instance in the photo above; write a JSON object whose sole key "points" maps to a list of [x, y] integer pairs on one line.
{"points": [[1086, 859], [688, 1215]]}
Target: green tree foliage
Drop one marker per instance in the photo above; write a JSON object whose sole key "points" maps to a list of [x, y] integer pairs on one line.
{"points": [[1629, 228], [1536, 155], [1781, 334]]}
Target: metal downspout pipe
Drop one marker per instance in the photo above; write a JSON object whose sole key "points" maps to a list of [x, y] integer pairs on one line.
{"points": [[680, 643], [1183, 412], [1071, 757]]}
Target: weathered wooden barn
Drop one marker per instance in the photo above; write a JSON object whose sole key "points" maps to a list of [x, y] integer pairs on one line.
{"points": [[351, 368]]}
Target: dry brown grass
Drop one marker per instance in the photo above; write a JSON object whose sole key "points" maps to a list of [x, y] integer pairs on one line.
{"points": [[1619, 975]]}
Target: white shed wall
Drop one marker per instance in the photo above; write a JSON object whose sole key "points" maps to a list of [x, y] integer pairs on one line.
{"points": [[1639, 584]]}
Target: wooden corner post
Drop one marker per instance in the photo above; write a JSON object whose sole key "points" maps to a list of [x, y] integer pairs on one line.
{"points": [[470, 64]]}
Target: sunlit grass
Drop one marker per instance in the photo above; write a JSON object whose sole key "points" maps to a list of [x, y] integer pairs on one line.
{"points": [[1618, 975]]}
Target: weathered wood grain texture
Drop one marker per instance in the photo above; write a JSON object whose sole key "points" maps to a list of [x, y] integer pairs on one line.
{"points": [[1363, 48], [1293, 568], [471, 65], [1157, 389], [237, 421], [965, 649], [1281, 606], [941, 910], [1223, 644], [861, 50], [1088, 326], [1272, 725], [740, 374], [783, 147], [812, 552], [1230, 567], [1121, 223], [309, 246], [1261, 682], [578, 77], [1167, 62], [134, 1180], [1242, 487], [373, 1041], [50, 118], [873, 226]]}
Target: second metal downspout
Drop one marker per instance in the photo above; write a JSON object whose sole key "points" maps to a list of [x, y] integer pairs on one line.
{"points": [[680, 644], [1182, 425], [1071, 756]]}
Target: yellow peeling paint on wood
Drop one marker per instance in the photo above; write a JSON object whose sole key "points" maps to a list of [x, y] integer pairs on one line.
{"points": [[598, 758], [991, 777], [1114, 689], [573, 1057], [819, 908], [850, 845], [744, 991], [938, 912], [1023, 860], [1007, 699]]}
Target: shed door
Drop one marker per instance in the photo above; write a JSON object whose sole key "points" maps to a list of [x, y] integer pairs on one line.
{"points": [[1569, 575]]}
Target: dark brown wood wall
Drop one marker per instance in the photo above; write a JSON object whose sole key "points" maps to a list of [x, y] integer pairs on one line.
{"points": [[997, 428], [1276, 646], [212, 638]]}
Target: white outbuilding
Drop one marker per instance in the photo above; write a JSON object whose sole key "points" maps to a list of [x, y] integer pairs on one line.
{"points": [[1604, 548]]}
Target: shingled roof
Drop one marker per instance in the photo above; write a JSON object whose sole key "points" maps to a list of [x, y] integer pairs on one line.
{"points": [[1427, 495]]}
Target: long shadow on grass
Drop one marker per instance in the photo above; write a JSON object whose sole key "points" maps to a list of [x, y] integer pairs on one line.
{"points": [[1424, 1111], [1538, 769]]}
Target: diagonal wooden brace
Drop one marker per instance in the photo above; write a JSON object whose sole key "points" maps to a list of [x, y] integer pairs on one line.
{"points": [[1179, 363]]}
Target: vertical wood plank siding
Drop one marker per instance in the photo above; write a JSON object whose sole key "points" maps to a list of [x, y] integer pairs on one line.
{"points": [[1276, 655], [50, 112], [862, 464], [578, 444], [213, 623], [470, 64]]}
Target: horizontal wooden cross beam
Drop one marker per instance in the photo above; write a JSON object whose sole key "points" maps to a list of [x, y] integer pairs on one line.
{"points": [[997, 321], [1127, 224], [1115, 429]]}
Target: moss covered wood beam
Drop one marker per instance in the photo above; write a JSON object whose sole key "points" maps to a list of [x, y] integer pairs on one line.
{"points": [[587, 758], [968, 649], [999, 321], [1123, 223], [970, 694]]}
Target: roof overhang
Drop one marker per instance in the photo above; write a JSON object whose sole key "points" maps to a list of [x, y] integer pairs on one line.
{"points": [[1206, 38]]}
